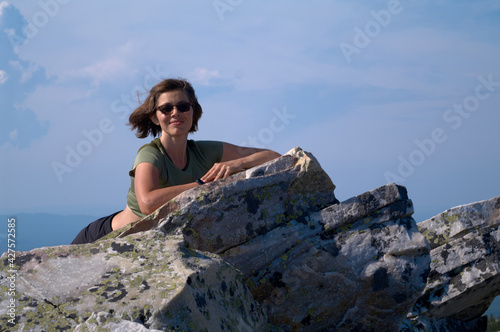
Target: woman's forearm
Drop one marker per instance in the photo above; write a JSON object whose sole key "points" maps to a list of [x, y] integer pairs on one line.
{"points": [[258, 158], [154, 199]]}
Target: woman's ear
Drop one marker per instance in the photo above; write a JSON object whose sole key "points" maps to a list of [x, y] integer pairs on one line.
{"points": [[154, 118]]}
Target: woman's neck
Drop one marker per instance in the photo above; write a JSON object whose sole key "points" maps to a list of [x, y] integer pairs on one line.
{"points": [[175, 147]]}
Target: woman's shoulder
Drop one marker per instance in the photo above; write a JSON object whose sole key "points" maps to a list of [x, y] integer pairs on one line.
{"points": [[152, 147], [211, 149], [204, 144], [151, 152]]}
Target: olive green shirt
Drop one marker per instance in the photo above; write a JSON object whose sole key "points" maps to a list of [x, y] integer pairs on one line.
{"points": [[201, 156]]}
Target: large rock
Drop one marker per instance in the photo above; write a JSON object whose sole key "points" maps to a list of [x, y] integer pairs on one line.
{"points": [[146, 280], [357, 265], [313, 263], [465, 268]]}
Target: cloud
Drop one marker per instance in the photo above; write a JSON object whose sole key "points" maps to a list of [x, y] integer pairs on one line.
{"points": [[13, 135], [203, 76], [26, 71], [3, 4], [104, 71], [19, 78], [3, 76]]}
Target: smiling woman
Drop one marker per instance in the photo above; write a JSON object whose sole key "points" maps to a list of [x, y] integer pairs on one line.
{"points": [[171, 164]]}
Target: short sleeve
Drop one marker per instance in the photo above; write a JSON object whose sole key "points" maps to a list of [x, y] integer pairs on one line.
{"points": [[148, 154]]}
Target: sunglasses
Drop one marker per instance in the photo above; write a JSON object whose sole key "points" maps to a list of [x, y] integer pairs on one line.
{"points": [[182, 107]]}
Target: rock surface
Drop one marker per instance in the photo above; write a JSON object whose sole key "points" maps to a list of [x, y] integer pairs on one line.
{"points": [[311, 262], [146, 279], [465, 268], [268, 249]]}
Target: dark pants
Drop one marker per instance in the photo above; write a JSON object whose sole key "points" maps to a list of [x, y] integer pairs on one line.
{"points": [[95, 230]]}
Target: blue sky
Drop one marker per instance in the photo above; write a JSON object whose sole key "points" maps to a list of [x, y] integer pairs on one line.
{"points": [[378, 91]]}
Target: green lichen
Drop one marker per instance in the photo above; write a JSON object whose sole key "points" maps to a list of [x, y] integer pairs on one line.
{"points": [[136, 282], [193, 231], [264, 194]]}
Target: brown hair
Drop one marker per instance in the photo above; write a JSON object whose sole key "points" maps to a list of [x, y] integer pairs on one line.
{"points": [[139, 119]]}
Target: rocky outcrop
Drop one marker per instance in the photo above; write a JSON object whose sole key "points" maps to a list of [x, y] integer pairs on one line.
{"points": [[145, 279], [465, 269], [267, 249]]}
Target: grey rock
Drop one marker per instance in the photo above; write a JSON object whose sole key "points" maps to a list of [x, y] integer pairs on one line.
{"points": [[311, 262], [343, 268], [465, 266], [458, 221], [146, 280], [424, 324]]}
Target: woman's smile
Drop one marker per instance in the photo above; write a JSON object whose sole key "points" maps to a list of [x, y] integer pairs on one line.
{"points": [[176, 122]]}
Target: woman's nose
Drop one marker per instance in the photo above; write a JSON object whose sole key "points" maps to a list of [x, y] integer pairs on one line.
{"points": [[175, 111]]}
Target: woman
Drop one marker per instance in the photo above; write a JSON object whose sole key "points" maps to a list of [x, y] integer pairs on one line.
{"points": [[171, 164]]}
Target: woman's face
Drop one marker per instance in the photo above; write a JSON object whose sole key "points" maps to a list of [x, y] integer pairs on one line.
{"points": [[173, 122]]}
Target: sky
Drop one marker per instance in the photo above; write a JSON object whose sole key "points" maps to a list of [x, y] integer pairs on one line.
{"points": [[377, 91]]}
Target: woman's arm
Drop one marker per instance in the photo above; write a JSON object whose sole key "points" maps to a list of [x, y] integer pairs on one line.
{"points": [[147, 188], [236, 159]]}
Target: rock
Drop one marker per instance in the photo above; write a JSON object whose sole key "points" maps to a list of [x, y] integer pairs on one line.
{"points": [[465, 267], [144, 282], [455, 223], [357, 265], [104, 321], [423, 324], [313, 263]]}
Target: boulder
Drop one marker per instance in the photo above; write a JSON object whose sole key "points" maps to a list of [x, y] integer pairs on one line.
{"points": [[146, 280], [357, 265], [465, 268], [311, 262]]}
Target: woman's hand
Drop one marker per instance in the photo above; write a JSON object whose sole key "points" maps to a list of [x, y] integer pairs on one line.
{"points": [[222, 170], [236, 159]]}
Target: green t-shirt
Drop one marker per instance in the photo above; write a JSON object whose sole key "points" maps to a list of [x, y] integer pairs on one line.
{"points": [[202, 155]]}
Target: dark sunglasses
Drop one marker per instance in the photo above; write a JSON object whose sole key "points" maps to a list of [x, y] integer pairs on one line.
{"points": [[182, 107]]}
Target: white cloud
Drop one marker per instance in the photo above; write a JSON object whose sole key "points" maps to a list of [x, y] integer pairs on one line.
{"points": [[203, 76], [3, 77], [105, 71], [27, 72], [3, 4], [13, 135]]}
